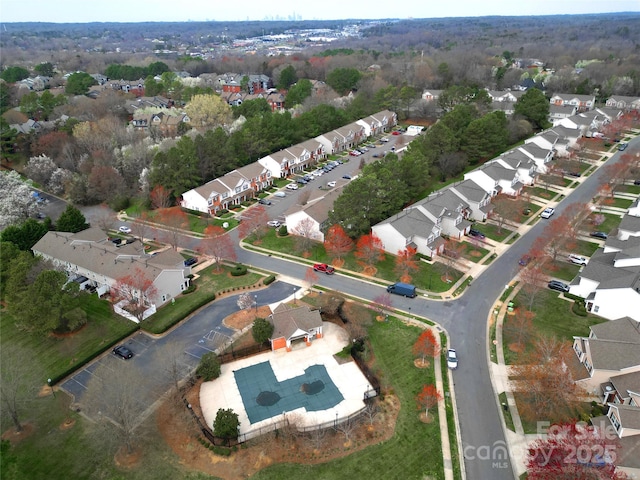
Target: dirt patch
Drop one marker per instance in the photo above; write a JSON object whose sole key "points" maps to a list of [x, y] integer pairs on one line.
{"points": [[516, 347], [67, 424], [475, 253], [124, 459], [420, 363], [244, 318], [16, 437], [338, 262], [181, 433], [370, 271], [424, 418]]}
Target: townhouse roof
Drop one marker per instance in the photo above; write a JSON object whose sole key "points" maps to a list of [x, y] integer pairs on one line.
{"points": [[626, 384], [622, 98], [409, 222], [630, 223], [497, 171], [535, 150], [601, 269], [571, 96], [252, 170], [101, 257], [441, 200], [623, 329], [288, 320], [629, 415], [561, 109], [568, 132], [614, 355], [319, 210], [515, 159], [469, 191]]}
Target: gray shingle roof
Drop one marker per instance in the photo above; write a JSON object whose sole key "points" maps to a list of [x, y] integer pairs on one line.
{"points": [[286, 321]]}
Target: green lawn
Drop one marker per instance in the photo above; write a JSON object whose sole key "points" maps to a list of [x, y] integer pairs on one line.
{"points": [[615, 202], [563, 270], [635, 189], [429, 276], [541, 192], [585, 248], [493, 232], [414, 452], [58, 355], [474, 253], [553, 317], [611, 221]]}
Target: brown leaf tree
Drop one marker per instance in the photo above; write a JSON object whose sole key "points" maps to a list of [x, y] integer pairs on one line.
{"points": [[337, 243], [428, 398], [136, 290], [369, 250], [218, 244], [254, 222], [160, 197], [406, 263], [174, 221], [426, 345]]}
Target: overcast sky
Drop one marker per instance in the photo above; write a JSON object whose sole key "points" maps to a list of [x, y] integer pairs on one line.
{"points": [[62, 11]]}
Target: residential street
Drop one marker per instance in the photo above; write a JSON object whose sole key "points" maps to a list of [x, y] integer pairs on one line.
{"points": [[465, 318]]}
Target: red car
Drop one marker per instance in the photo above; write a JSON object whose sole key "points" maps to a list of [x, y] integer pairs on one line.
{"points": [[323, 267], [396, 132]]}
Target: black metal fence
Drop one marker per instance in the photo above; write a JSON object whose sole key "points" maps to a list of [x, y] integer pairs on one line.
{"points": [[238, 353]]}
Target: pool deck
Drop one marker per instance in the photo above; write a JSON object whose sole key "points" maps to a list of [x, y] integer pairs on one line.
{"points": [[224, 393]]}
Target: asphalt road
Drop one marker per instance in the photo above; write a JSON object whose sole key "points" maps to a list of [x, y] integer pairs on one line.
{"points": [[465, 319]]}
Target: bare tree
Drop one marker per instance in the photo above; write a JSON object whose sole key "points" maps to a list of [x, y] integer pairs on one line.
{"points": [[140, 226], [371, 410], [105, 220], [317, 438], [347, 428], [304, 231], [172, 362], [18, 384], [112, 399], [245, 301]]}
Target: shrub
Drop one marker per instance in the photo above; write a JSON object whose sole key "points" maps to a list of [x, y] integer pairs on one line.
{"points": [[190, 289], [268, 280], [283, 231], [261, 330], [238, 271], [209, 367], [120, 202]]}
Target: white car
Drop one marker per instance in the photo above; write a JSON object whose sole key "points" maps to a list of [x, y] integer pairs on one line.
{"points": [[547, 212], [280, 194], [331, 184], [452, 359], [273, 223], [577, 259], [124, 229], [292, 186]]}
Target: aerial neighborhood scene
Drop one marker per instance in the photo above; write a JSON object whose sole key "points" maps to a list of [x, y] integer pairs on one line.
{"points": [[320, 242]]}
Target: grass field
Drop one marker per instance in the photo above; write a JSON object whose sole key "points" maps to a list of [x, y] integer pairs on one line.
{"points": [[414, 452]]}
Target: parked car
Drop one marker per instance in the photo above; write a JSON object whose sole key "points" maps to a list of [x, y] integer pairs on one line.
{"points": [[452, 359], [363, 149], [264, 201], [558, 285], [396, 132], [331, 184], [600, 235], [577, 259], [376, 155], [324, 268], [622, 147], [384, 139], [292, 186], [525, 260], [346, 177], [404, 289], [280, 194], [273, 223], [124, 229], [309, 178], [547, 212], [636, 182], [355, 153], [190, 261], [476, 233], [301, 181], [123, 352]]}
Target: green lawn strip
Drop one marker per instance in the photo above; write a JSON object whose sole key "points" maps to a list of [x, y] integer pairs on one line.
{"points": [[611, 221], [508, 420], [563, 270], [451, 419], [474, 253], [414, 451], [493, 232], [614, 202], [635, 189], [58, 356], [583, 247], [553, 318], [429, 276], [543, 193], [209, 283]]}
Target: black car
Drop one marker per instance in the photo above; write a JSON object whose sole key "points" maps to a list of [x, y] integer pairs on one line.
{"points": [[636, 182], [190, 261], [476, 233], [346, 177], [123, 352], [559, 286], [302, 181], [600, 235], [264, 201]]}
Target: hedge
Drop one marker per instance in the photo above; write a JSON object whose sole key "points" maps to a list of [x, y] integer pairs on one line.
{"points": [[238, 270], [268, 280]]}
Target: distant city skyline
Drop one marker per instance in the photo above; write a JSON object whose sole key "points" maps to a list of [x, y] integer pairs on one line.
{"points": [[79, 11]]}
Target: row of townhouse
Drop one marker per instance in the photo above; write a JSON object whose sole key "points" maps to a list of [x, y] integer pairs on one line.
{"points": [[90, 254], [274, 98], [610, 282], [244, 183], [609, 369]]}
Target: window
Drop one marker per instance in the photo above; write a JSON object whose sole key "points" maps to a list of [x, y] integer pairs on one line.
{"points": [[615, 422], [164, 298], [225, 195]]}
